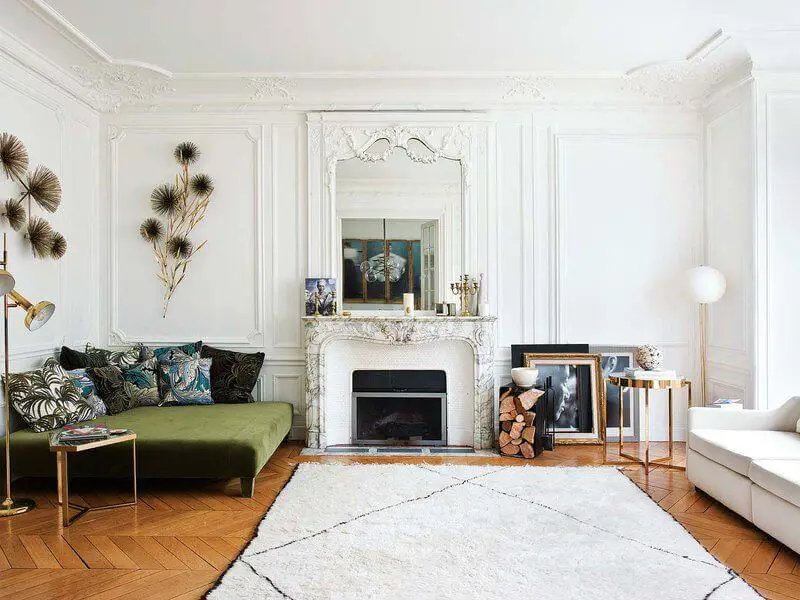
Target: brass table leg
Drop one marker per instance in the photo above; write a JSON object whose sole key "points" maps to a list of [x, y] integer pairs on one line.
{"points": [[64, 485], [621, 411], [670, 426], [59, 470], [646, 431]]}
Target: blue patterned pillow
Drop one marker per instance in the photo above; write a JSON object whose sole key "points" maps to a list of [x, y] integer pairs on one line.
{"points": [[186, 382], [144, 376], [162, 353], [85, 386]]}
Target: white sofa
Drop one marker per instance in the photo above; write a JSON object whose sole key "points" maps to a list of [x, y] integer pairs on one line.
{"points": [[749, 460]]}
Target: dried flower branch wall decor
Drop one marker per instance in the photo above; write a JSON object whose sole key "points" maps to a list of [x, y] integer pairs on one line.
{"points": [[40, 187], [180, 207]]}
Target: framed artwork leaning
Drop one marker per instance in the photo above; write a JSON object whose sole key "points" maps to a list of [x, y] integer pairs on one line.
{"points": [[616, 359], [320, 297], [579, 402]]}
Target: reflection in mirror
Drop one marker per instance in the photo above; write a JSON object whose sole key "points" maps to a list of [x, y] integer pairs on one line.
{"points": [[399, 216], [386, 258]]}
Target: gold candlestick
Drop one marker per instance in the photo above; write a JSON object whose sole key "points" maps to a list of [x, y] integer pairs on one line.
{"points": [[464, 288]]}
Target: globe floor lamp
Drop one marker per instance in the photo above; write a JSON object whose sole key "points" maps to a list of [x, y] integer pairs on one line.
{"points": [[706, 285], [36, 316]]}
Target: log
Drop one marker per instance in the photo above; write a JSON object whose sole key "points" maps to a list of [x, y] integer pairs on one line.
{"points": [[528, 398], [517, 442], [527, 450], [516, 430], [530, 417], [506, 425], [509, 449], [503, 439], [520, 418], [528, 434], [506, 417], [507, 404]]}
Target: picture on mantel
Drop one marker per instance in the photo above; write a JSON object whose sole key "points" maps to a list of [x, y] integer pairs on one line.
{"points": [[320, 297]]}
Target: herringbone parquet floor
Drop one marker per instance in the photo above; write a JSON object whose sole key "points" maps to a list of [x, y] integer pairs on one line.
{"points": [[182, 535]]}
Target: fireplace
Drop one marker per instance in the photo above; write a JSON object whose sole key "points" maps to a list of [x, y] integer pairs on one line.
{"points": [[399, 407]]}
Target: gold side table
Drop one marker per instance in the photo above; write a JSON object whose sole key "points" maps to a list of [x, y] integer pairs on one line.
{"points": [[63, 450], [622, 381]]}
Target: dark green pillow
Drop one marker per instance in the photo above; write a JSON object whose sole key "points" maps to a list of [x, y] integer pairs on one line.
{"points": [[119, 358], [73, 359], [117, 394], [233, 374], [145, 377], [163, 353]]}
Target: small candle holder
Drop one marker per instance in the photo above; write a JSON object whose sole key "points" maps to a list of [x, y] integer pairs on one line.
{"points": [[464, 288]]}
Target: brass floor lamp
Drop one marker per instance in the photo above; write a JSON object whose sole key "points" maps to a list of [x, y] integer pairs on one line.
{"points": [[36, 316]]}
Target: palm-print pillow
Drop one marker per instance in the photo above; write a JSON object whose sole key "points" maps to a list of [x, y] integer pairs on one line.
{"points": [[233, 374], [85, 386], [119, 358], [187, 382], [117, 394], [145, 377], [46, 398]]}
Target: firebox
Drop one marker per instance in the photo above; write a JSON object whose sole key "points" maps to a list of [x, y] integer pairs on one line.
{"points": [[399, 407]]}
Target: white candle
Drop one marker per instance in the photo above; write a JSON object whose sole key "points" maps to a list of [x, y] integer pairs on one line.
{"points": [[408, 304]]}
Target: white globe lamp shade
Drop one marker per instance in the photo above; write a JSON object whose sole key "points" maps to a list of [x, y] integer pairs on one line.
{"points": [[706, 284]]}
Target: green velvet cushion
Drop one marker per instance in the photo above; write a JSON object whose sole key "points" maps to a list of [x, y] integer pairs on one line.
{"points": [[215, 440]]}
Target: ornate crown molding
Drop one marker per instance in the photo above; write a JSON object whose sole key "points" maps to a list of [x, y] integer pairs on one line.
{"points": [[110, 86], [527, 88], [270, 87]]}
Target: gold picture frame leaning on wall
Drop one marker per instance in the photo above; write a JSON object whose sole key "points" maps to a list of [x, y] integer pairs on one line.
{"points": [[569, 413]]}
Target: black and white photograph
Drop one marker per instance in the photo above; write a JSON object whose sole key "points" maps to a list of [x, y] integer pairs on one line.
{"points": [[616, 360]]}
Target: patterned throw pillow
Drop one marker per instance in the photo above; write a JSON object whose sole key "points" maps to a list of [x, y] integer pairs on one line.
{"points": [[187, 382], [119, 358], [46, 398], [145, 377], [168, 352], [73, 359], [233, 374], [118, 394], [85, 386]]}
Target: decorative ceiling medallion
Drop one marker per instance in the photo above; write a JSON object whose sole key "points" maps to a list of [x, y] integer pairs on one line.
{"points": [[526, 88], [270, 87], [114, 85]]}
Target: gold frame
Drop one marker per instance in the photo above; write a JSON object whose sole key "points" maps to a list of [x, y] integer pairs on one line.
{"points": [[597, 385]]}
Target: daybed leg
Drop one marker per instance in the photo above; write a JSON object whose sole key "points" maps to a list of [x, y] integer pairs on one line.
{"points": [[248, 486]]}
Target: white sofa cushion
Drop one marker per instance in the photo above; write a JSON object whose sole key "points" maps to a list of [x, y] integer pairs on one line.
{"points": [[736, 449], [781, 477]]}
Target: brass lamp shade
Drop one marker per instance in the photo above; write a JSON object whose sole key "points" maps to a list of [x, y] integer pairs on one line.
{"points": [[38, 314], [6, 282]]}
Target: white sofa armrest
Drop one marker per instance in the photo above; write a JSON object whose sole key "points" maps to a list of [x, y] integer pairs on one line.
{"points": [[783, 418]]}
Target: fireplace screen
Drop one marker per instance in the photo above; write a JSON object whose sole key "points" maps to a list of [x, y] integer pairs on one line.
{"points": [[399, 407]]}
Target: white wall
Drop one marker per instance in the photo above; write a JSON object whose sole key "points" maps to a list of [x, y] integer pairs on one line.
{"points": [[730, 204], [597, 214], [61, 134]]}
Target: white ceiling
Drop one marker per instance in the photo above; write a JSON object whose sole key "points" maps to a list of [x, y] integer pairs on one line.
{"points": [[315, 36]]}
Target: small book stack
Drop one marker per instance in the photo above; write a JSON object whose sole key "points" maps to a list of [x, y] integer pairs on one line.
{"points": [[634, 373], [83, 433], [728, 403]]}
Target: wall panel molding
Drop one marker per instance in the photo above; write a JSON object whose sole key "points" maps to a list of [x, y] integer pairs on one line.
{"points": [[254, 134]]}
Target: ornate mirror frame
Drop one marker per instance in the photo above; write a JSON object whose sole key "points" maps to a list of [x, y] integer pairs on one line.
{"points": [[334, 137]]}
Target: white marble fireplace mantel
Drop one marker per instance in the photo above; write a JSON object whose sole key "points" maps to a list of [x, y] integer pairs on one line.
{"points": [[477, 332]]}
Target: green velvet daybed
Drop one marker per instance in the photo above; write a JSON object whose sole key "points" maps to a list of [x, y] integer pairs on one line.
{"points": [[213, 441]]}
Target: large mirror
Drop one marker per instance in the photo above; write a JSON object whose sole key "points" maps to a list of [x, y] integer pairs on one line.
{"points": [[399, 214]]}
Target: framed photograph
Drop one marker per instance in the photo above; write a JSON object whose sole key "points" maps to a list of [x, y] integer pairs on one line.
{"points": [[614, 360], [320, 298], [579, 403]]}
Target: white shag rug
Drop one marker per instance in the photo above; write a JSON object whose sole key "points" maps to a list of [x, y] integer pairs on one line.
{"points": [[400, 532]]}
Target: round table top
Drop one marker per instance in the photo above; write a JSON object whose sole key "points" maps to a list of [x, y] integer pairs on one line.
{"points": [[657, 384]]}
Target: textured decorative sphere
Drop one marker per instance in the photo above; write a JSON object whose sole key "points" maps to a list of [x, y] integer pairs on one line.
{"points": [[649, 357]]}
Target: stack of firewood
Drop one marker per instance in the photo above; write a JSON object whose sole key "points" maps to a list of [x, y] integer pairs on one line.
{"points": [[517, 429]]}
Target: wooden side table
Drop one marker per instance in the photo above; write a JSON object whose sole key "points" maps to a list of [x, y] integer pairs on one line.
{"points": [[622, 381], [63, 450]]}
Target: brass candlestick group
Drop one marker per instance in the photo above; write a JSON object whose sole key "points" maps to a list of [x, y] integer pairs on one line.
{"points": [[464, 288]]}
